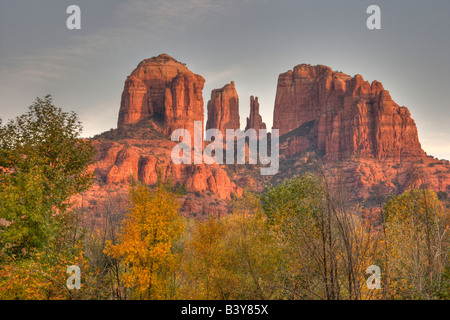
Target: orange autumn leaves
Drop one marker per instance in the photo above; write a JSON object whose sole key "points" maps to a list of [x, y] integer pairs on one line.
{"points": [[151, 226]]}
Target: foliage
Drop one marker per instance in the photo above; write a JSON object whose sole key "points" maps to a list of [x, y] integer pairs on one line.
{"points": [[43, 164], [253, 250], [205, 273], [42, 276], [232, 258], [418, 245], [326, 249], [145, 243]]}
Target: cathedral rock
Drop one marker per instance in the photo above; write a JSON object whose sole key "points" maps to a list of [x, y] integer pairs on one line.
{"points": [[351, 128]]}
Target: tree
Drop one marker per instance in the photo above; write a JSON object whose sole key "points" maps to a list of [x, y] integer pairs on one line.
{"points": [[295, 210], [145, 244], [253, 250], [102, 223], [234, 257], [326, 248], [205, 263], [418, 244], [43, 163]]}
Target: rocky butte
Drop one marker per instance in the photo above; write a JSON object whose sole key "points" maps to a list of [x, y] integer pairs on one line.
{"points": [[349, 115], [223, 109], [348, 122], [164, 89]]}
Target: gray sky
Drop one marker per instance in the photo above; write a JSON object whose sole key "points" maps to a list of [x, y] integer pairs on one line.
{"points": [[248, 41]]}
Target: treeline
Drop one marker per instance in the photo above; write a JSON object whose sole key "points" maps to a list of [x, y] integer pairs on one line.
{"points": [[293, 242], [300, 239]]}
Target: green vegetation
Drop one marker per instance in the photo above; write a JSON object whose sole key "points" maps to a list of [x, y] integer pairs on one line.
{"points": [[43, 164]]}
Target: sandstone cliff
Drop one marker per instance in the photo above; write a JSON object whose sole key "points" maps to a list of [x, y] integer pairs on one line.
{"points": [[223, 109], [142, 153], [352, 130], [347, 114], [165, 89]]}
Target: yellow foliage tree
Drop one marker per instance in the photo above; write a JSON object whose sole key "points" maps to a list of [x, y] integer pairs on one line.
{"points": [[417, 243], [145, 242], [206, 276], [253, 250], [326, 246], [235, 257]]}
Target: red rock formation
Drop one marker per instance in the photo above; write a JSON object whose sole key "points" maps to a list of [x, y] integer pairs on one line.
{"points": [[254, 121], [348, 115], [161, 95], [223, 109], [319, 113], [165, 89], [135, 104], [119, 162], [125, 167]]}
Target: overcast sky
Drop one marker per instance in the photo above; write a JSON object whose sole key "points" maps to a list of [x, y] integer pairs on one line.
{"points": [[248, 41]]}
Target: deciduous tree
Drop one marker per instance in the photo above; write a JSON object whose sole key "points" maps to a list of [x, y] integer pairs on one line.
{"points": [[145, 244]]}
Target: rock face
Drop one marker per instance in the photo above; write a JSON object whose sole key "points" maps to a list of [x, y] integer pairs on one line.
{"points": [[254, 121], [223, 109], [165, 89], [346, 114], [119, 162]]}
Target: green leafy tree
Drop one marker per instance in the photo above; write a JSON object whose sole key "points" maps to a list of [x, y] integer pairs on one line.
{"points": [[253, 249], [43, 163]]}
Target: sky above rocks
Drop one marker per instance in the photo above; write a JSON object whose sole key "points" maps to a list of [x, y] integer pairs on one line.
{"points": [[249, 42]]}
